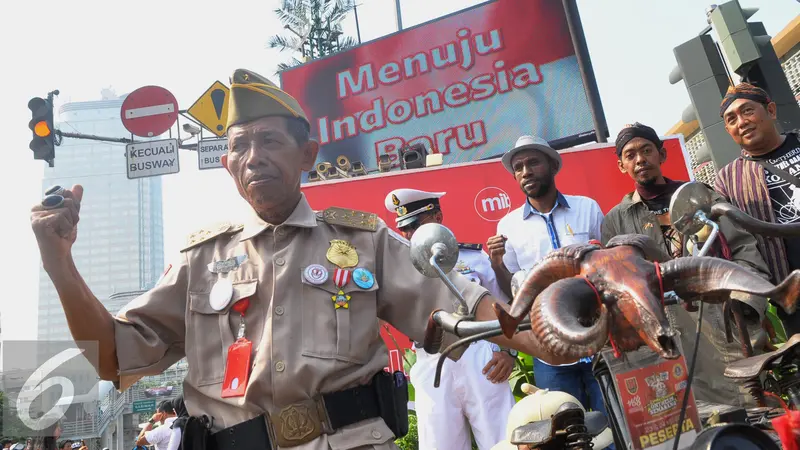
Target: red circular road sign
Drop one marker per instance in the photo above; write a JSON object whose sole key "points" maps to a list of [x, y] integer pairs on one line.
{"points": [[149, 111]]}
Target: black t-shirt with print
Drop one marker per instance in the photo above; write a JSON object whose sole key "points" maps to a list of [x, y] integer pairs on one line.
{"points": [[785, 195]]}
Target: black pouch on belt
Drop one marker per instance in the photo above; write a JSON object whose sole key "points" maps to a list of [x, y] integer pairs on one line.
{"points": [[195, 434], [392, 392]]}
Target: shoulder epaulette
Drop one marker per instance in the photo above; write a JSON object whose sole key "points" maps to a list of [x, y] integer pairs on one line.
{"points": [[466, 246], [207, 234], [349, 218]]}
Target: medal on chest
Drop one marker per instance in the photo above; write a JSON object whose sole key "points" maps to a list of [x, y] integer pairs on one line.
{"points": [[363, 278], [343, 255], [237, 365], [340, 278]]}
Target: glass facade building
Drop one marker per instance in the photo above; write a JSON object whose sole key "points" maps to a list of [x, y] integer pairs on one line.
{"points": [[120, 246]]}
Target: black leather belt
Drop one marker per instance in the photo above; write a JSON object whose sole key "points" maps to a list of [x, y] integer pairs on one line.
{"points": [[300, 423], [249, 435]]}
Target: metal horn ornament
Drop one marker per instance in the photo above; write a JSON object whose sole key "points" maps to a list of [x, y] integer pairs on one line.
{"points": [[581, 295]]}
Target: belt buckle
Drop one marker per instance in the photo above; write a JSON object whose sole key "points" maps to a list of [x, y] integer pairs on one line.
{"points": [[300, 423]]}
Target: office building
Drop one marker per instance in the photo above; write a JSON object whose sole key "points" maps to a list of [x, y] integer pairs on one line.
{"points": [[120, 246]]}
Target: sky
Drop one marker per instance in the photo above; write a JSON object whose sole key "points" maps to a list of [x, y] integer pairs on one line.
{"points": [[83, 46]]}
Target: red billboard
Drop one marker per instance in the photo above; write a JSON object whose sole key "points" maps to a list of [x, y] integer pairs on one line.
{"points": [[479, 194], [466, 85]]}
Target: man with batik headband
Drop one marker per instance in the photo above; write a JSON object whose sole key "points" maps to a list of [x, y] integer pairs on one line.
{"points": [[640, 154], [763, 182], [473, 390], [277, 317]]}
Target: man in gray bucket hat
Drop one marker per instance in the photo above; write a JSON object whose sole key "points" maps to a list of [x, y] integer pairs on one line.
{"points": [[548, 220]]}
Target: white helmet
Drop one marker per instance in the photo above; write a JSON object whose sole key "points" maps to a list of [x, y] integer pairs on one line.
{"points": [[541, 404]]}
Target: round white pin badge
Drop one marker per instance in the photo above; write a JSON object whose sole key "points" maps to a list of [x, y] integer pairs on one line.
{"points": [[221, 294], [316, 274]]}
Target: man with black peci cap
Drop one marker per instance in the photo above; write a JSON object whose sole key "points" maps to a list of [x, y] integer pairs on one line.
{"points": [[640, 154], [277, 317], [474, 389], [764, 181]]}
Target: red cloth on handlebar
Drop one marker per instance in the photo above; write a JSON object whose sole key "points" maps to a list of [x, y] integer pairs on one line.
{"points": [[788, 429], [787, 426]]}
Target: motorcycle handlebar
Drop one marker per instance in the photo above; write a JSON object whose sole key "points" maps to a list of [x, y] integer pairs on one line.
{"points": [[752, 224], [465, 327], [460, 326]]}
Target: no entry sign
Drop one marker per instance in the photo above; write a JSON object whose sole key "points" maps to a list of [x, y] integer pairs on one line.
{"points": [[149, 111]]}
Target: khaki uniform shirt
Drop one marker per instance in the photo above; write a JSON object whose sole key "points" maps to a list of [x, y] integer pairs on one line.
{"points": [[302, 346]]}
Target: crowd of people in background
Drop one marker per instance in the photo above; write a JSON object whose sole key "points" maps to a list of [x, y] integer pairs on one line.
{"points": [[171, 416]]}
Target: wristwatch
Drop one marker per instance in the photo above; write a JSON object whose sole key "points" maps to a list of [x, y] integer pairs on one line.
{"points": [[151, 421], [510, 351]]}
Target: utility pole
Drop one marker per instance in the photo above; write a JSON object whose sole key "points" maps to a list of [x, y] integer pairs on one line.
{"points": [[358, 28], [398, 15]]}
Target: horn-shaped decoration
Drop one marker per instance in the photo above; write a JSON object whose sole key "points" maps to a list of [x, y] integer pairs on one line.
{"points": [[651, 250], [569, 319], [691, 277], [557, 265]]}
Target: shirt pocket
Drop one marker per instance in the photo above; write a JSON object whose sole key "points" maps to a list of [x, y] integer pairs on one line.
{"points": [[576, 237], [211, 334], [343, 334], [369, 434]]}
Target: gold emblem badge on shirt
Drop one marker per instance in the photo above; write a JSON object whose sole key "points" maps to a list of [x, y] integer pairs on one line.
{"points": [[342, 254]]}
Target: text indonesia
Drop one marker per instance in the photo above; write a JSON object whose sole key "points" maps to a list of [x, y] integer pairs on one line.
{"points": [[461, 52]]}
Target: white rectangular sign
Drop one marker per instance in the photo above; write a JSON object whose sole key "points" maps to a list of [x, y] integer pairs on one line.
{"points": [[209, 153], [148, 111], [152, 158]]}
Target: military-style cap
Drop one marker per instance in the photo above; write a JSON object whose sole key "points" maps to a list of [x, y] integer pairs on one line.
{"points": [[408, 204], [254, 97]]}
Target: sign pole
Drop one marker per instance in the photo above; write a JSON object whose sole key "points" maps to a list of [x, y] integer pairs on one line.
{"points": [[398, 15], [585, 67], [358, 29]]}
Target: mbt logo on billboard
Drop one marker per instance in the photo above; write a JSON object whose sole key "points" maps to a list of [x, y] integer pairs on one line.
{"points": [[492, 204]]}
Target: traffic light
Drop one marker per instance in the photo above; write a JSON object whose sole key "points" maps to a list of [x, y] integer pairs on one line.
{"points": [[41, 124], [748, 49], [701, 68]]}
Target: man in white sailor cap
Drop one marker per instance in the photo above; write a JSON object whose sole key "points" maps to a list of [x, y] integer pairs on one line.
{"points": [[474, 388]]}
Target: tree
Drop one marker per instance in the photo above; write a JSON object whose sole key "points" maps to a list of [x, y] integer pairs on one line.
{"points": [[11, 426], [315, 29]]}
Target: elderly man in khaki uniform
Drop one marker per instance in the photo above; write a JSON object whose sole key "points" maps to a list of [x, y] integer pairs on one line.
{"points": [[278, 317]]}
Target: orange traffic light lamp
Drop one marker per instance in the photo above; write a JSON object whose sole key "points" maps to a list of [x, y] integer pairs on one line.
{"points": [[43, 142], [42, 129]]}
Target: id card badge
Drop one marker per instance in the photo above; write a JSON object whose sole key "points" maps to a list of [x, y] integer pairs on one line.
{"points": [[237, 369]]}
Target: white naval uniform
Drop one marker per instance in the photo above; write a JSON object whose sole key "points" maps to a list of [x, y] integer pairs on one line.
{"points": [[464, 397]]}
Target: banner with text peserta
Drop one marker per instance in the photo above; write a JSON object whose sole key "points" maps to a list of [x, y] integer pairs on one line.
{"points": [[466, 86]]}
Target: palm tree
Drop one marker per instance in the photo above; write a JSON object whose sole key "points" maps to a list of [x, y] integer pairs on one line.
{"points": [[315, 27]]}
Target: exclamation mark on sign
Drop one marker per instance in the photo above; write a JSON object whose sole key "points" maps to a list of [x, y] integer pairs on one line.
{"points": [[218, 99]]}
